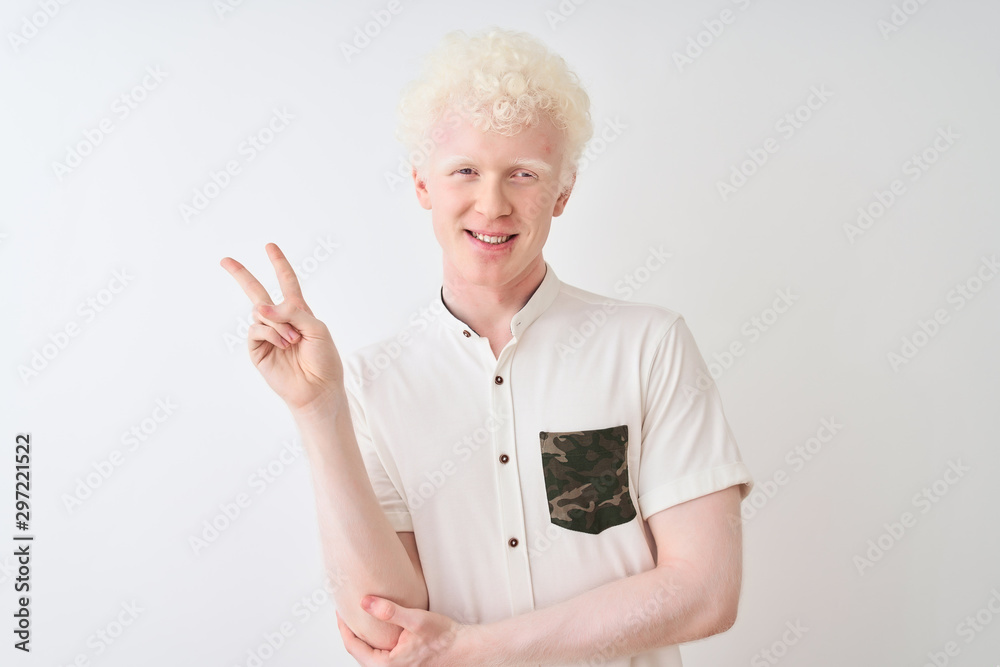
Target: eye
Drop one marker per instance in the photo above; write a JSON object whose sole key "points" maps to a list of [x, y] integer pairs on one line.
{"points": [[465, 171], [525, 173]]}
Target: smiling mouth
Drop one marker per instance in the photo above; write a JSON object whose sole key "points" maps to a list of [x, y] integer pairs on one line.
{"points": [[492, 240]]}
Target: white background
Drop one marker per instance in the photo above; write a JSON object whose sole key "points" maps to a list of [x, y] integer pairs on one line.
{"points": [[168, 334]]}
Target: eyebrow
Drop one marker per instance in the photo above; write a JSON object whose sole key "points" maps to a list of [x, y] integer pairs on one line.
{"points": [[527, 163]]}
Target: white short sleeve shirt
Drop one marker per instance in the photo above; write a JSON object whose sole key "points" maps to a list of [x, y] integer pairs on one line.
{"points": [[528, 479]]}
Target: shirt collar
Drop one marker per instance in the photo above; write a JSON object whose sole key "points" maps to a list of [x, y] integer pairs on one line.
{"points": [[540, 300]]}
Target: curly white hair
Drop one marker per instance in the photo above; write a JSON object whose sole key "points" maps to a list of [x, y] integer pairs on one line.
{"points": [[501, 80]]}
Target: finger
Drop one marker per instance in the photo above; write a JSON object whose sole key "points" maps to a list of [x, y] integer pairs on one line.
{"points": [[358, 649], [345, 632], [286, 274], [273, 317], [251, 286], [260, 332], [296, 316]]}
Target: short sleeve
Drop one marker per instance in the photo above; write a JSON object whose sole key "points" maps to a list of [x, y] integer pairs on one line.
{"points": [[688, 449], [386, 491]]}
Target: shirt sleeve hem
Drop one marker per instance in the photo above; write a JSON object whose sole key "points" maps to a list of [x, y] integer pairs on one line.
{"points": [[401, 522], [696, 485]]}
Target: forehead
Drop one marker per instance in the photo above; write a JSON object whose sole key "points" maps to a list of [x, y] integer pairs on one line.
{"points": [[455, 134]]}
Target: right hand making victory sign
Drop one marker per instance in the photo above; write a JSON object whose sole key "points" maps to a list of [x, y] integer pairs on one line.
{"points": [[290, 347]]}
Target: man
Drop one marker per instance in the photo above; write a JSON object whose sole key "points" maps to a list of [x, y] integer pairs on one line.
{"points": [[503, 489]]}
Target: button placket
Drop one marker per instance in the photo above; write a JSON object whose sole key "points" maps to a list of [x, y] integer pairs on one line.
{"points": [[509, 485]]}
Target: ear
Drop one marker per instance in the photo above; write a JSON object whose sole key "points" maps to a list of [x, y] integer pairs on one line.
{"points": [[423, 196], [563, 198]]}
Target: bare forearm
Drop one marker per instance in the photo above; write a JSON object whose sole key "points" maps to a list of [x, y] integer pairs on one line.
{"points": [[360, 546], [629, 616]]}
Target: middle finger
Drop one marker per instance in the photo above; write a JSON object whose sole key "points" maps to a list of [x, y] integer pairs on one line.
{"points": [[289, 283]]}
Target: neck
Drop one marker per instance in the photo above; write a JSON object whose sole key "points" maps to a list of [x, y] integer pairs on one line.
{"points": [[488, 309]]}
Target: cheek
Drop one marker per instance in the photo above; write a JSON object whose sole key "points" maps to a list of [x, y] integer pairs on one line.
{"points": [[443, 228], [538, 203]]}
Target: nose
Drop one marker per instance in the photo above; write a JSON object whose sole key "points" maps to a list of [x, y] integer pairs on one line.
{"points": [[491, 200]]}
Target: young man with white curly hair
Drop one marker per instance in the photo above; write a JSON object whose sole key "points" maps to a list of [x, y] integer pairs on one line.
{"points": [[492, 496]]}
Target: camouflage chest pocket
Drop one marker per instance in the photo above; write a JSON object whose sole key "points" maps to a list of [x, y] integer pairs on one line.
{"points": [[586, 478]]}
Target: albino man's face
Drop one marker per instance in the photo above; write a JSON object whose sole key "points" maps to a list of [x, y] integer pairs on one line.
{"points": [[496, 186]]}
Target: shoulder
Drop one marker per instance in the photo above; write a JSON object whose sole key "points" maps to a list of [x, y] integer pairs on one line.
{"points": [[652, 319], [371, 361], [392, 356]]}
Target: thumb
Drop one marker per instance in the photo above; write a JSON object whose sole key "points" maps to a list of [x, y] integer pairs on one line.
{"points": [[387, 610], [289, 312]]}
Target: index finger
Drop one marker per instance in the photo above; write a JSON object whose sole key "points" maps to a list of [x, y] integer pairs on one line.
{"points": [[286, 274], [251, 286]]}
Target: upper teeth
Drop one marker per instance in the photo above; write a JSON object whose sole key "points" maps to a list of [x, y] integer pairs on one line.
{"points": [[492, 239]]}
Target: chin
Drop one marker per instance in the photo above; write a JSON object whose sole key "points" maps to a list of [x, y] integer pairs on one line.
{"points": [[488, 273]]}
